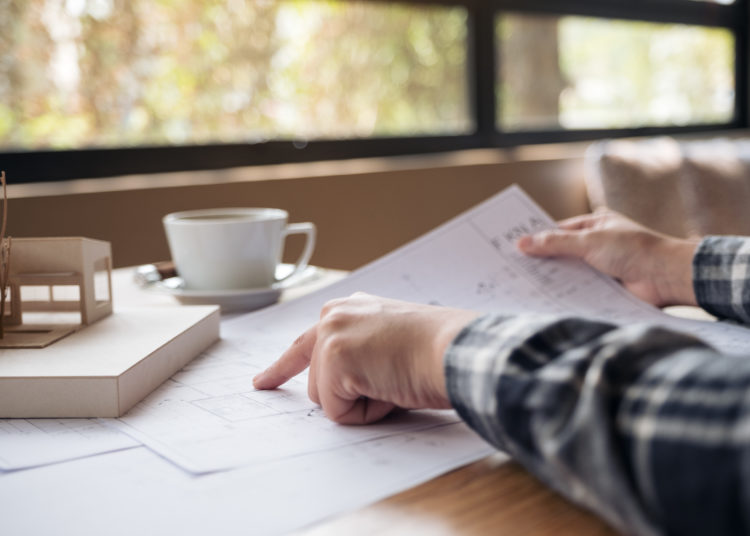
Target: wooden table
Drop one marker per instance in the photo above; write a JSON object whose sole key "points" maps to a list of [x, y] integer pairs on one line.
{"points": [[491, 496]]}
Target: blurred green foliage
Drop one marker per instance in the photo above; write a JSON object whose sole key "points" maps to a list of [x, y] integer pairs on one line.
{"points": [[102, 73], [91, 73], [613, 73]]}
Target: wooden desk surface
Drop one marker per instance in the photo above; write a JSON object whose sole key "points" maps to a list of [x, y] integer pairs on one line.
{"points": [[491, 496]]}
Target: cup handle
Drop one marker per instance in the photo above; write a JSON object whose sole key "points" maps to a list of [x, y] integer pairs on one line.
{"points": [[309, 230]]}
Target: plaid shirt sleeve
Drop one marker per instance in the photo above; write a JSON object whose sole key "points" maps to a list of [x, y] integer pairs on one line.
{"points": [[647, 427], [721, 277]]}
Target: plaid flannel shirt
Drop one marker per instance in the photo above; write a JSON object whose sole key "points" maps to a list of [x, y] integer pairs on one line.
{"points": [[647, 427]]}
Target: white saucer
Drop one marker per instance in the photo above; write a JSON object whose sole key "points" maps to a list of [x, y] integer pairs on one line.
{"points": [[234, 300]]}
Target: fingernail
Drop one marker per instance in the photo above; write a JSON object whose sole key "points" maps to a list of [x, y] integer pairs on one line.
{"points": [[525, 241], [258, 379]]}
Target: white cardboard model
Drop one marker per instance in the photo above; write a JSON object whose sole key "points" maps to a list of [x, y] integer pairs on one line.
{"points": [[53, 264], [104, 369]]}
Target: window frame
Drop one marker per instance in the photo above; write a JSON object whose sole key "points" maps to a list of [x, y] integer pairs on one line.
{"points": [[57, 165]]}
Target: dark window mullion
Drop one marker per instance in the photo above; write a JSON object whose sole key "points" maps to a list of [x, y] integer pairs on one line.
{"points": [[742, 70], [521, 137], [481, 67], [672, 11], [57, 165]]}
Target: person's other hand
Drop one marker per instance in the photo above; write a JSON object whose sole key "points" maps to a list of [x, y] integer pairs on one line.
{"points": [[370, 355], [655, 267]]}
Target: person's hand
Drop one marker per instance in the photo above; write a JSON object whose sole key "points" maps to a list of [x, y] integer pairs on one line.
{"points": [[655, 267], [370, 355]]}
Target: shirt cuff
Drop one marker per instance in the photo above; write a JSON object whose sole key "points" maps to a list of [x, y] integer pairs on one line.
{"points": [[481, 355], [721, 276]]}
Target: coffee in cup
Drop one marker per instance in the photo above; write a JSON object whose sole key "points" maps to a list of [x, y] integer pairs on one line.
{"points": [[233, 248]]}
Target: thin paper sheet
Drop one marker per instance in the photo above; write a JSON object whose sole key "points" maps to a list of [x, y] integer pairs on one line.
{"points": [[137, 492], [28, 443], [209, 417]]}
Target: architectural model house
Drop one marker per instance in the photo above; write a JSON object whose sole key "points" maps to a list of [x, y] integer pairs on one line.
{"points": [[101, 364], [50, 276]]}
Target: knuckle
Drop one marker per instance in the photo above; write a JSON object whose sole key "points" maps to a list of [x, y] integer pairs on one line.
{"points": [[334, 348], [337, 319], [331, 305]]}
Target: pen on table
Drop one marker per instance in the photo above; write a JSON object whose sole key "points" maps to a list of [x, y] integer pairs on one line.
{"points": [[148, 274]]}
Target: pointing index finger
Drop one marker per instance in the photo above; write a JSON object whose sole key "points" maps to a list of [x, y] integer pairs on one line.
{"points": [[296, 359]]}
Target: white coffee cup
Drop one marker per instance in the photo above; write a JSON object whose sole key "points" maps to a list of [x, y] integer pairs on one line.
{"points": [[233, 248]]}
